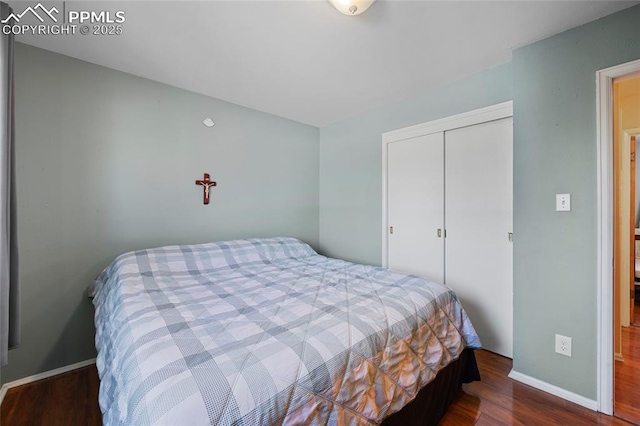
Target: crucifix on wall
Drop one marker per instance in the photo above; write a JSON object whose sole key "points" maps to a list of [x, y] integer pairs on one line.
{"points": [[206, 184]]}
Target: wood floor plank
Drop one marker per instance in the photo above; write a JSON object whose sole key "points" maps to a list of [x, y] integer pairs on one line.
{"points": [[29, 404], [627, 374], [92, 414], [60, 405], [9, 406]]}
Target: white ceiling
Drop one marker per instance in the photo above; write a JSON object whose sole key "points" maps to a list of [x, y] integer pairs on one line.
{"points": [[305, 61]]}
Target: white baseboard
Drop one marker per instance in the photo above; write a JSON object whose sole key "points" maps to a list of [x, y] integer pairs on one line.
{"points": [[43, 375], [554, 390]]}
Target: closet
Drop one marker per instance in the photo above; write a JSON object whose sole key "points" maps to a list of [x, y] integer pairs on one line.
{"points": [[447, 213]]}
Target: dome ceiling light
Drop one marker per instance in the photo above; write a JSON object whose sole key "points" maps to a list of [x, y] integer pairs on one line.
{"points": [[351, 7]]}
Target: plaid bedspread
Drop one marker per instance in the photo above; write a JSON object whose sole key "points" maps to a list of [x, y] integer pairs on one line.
{"points": [[266, 332]]}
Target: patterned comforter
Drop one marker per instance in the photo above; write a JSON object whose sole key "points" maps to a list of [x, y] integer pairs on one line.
{"points": [[266, 331]]}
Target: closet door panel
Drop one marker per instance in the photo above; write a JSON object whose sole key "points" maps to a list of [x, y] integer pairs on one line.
{"points": [[479, 218], [415, 191]]}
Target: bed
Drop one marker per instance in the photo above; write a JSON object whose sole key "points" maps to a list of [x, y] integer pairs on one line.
{"points": [[266, 331]]}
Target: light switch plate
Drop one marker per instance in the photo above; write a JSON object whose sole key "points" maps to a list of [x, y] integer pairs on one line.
{"points": [[563, 202]]}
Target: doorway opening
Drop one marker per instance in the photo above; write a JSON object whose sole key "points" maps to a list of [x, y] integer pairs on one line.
{"points": [[616, 224], [626, 239]]}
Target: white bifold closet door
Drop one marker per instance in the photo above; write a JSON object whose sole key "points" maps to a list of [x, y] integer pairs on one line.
{"points": [[479, 220], [415, 190]]}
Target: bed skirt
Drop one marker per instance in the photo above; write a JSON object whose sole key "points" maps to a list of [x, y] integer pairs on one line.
{"points": [[434, 399]]}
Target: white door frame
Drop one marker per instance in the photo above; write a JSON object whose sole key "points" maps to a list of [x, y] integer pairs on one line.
{"points": [[469, 118], [604, 123]]}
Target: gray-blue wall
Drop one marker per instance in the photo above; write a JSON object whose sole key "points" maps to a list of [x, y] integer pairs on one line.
{"points": [[555, 152], [351, 161], [106, 164]]}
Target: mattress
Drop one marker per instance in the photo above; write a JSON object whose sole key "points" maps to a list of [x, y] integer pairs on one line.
{"points": [[266, 331]]}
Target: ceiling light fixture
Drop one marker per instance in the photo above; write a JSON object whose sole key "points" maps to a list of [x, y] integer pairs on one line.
{"points": [[351, 7]]}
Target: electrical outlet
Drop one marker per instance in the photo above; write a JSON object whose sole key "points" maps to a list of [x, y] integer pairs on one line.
{"points": [[563, 345]]}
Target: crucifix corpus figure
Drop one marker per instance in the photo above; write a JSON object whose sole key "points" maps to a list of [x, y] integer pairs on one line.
{"points": [[206, 183]]}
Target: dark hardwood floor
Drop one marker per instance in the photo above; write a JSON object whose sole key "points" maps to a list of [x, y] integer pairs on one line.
{"points": [[627, 373], [67, 399], [498, 400], [71, 399]]}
